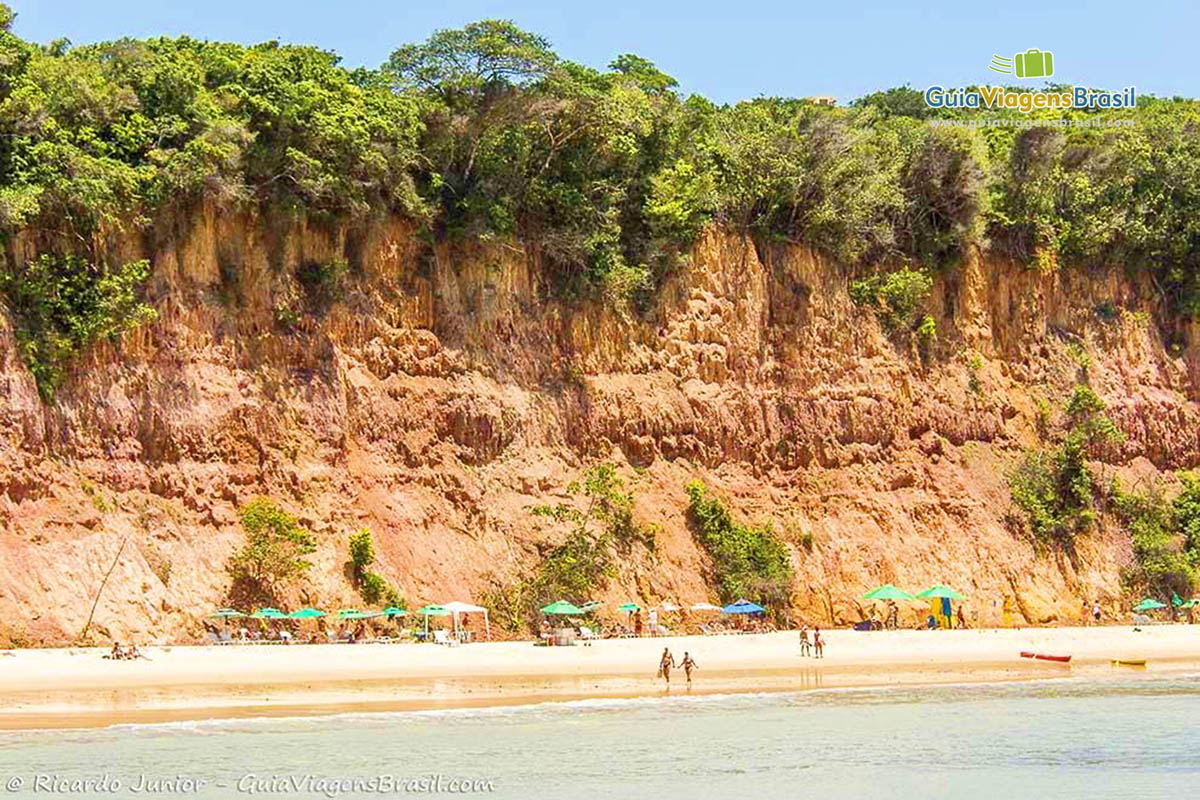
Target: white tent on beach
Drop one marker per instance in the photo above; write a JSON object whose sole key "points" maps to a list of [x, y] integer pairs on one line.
{"points": [[458, 608]]}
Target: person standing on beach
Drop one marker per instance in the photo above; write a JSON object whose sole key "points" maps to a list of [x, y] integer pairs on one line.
{"points": [[818, 643], [805, 645], [1096, 612], [962, 619], [664, 666], [688, 665], [1084, 614]]}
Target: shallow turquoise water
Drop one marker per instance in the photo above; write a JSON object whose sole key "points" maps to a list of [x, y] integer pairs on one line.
{"points": [[1060, 739]]}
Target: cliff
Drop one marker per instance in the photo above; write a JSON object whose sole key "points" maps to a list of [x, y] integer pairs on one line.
{"points": [[447, 392]]}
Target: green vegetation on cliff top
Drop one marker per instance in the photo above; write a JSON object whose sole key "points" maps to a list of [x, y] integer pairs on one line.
{"points": [[609, 175]]}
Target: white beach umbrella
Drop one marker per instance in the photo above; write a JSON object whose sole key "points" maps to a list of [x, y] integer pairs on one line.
{"points": [[457, 607]]}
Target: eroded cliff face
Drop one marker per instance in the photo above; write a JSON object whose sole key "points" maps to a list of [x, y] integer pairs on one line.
{"points": [[444, 396]]}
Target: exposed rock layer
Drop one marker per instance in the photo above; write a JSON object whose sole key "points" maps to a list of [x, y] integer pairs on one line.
{"points": [[444, 395]]}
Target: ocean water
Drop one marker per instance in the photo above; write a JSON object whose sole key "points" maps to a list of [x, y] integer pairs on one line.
{"points": [[1051, 739]]}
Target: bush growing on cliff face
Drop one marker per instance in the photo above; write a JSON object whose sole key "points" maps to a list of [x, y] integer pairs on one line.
{"points": [[602, 530], [749, 561], [895, 295], [1054, 486], [1165, 557], [64, 305], [373, 587], [274, 552]]}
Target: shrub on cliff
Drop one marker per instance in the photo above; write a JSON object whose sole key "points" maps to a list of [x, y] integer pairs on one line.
{"points": [[1054, 486], [749, 561], [602, 529], [274, 553], [1166, 557], [895, 296], [372, 586], [64, 305]]}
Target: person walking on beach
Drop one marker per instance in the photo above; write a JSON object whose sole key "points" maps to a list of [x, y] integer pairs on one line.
{"points": [[688, 665], [1096, 612], [805, 645], [962, 619], [664, 666], [818, 643]]}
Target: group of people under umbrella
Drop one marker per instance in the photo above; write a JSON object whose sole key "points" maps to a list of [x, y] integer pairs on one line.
{"points": [[938, 596], [633, 612], [347, 618]]}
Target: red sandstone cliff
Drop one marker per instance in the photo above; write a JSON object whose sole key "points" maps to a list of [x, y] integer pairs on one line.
{"points": [[445, 395]]}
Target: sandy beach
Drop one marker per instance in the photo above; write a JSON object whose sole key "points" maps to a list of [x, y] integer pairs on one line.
{"points": [[79, 688]]}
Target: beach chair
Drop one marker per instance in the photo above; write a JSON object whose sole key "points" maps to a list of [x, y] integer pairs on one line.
{"points": [[440, 637], [587, 633]]}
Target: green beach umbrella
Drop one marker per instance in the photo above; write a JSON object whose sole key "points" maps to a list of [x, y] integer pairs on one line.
{"points": [[434, 611], [887, 592], [561, 607], [1188, 604], [393, 611], [1176, 600], [226, 613], [629, 608], [354, 613], [940, 591], [307, 613], [268, 613], [1149, 605]]}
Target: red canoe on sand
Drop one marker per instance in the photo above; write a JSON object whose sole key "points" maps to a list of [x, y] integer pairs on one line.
{"points": [[1045, 657]]}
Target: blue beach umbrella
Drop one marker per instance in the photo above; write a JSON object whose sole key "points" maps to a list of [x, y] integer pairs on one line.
{"points": [[743, 607]]}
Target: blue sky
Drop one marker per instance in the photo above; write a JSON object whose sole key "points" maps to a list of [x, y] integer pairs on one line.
{"points": [[726, 50]]}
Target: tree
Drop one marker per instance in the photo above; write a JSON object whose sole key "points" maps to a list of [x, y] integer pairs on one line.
{"points": [[274, 552], [465, 65]]}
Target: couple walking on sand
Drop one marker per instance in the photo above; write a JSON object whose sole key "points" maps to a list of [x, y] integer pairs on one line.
{"points": [[814, 648], [667, 662]]}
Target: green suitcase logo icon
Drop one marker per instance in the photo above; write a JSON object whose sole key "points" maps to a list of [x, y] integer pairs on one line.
{"points": [[1034, 63]]}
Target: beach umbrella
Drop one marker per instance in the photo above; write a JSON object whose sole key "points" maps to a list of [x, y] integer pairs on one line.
{"points": [[392, 611], [1187, 604], [360, 615], [432, 610], [629, 608], [743, 607], [590, 606], [1149, 605], [348, 613], [307, 613], [704, 607], [1176, 600], [887, 592], [561, 607], [457, 607], [940, 591], [226, 613], [668, 607], [268, 613]]}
